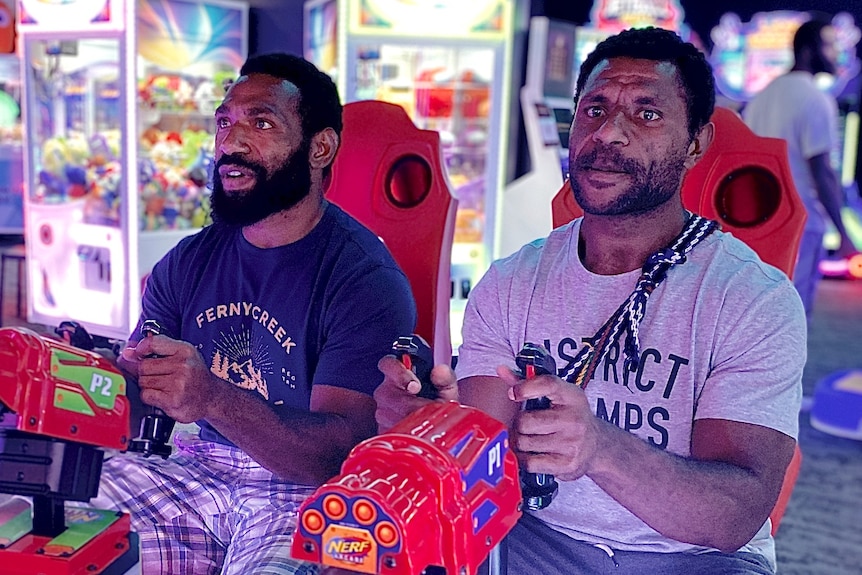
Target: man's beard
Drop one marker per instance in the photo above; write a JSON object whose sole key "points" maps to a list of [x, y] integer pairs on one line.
{"points": [[653, 185], [272, 193]]}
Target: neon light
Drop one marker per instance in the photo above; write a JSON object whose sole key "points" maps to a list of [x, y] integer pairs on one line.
{"points": [[854, 266], [851, 145], [833, 268]]}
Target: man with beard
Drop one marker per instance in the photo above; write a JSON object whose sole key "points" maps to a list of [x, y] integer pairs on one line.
{"points": [[791, 107], [673, 413], [274, 319]]}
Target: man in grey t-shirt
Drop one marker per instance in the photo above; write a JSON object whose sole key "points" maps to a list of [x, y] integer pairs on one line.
{"points": [[672, 457]]}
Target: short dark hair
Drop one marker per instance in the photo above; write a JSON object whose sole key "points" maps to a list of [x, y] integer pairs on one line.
{"points": [[319, 104], [662, 46], [808, 34]]}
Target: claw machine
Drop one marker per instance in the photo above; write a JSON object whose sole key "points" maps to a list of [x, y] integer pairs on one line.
{"points": [[118, 97], [11, 154], [448, 63]]}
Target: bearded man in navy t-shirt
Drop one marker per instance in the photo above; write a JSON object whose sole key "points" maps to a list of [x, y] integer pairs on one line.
{"points": [[274, 319]]}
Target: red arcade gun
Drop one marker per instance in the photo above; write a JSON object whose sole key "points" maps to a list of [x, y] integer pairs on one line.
{"points": [[432, 496], [59, 406]]}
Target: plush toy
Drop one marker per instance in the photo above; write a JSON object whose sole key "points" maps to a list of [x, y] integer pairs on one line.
{"points": [[78, 149], [150, 137], [166, 153], [100, 150], [167, 91], [193, 142], [205, 97], [204, 162], [201, 216], [170, 211], [199, 176], [146, 170], [76, 181], [50, 186], [55, 156]]}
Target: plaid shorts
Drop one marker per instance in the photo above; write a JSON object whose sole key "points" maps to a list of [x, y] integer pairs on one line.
{"points": [[208, 509]]}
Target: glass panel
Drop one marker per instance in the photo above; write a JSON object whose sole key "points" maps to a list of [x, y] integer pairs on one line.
{"points": [[76, 192], [187, 55], [75, 136], [176, 127], [11, 153], [447, 90]]}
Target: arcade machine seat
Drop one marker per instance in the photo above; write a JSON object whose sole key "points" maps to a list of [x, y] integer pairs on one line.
{"points": [[743, 182], [389, 175]]}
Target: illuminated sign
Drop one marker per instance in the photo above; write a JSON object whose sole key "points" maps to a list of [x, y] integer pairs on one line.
{"points": [[617, 15], [72, 15], [443, 18], [609, 17]]}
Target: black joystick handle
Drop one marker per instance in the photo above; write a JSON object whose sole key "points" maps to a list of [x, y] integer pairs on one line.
{"points": [[156, 427], [538, 489], [415, 353], [75, 335]]}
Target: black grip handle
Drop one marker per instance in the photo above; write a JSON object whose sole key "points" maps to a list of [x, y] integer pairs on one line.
{"points": [[151, 327], [416, 355], [533, 360], [157, 426]]}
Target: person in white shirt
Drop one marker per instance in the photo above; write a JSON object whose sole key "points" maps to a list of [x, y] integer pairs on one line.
{"points": [[791, 107]]}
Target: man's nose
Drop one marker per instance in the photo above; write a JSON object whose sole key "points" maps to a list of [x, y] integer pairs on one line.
{"points": [[233, 141], [612, 130]]}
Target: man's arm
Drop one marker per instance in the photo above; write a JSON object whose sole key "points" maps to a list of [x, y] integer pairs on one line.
{"points": [[718, 497], [727, 488], [829, 193], [305, 447], [311, 445]]}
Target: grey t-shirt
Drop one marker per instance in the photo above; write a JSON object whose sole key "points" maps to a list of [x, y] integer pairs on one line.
{"points": [[724, 337]]}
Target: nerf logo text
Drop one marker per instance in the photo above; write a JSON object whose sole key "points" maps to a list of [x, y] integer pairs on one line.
{"points": [[349, 549]]}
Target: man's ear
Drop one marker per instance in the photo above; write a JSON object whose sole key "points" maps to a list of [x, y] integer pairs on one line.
{"points": [[698, 146], [324, 145]]}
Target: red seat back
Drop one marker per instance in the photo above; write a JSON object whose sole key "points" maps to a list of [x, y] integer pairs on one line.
{"points": [[389, 175]]}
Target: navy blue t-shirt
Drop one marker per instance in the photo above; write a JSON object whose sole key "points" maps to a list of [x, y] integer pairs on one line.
{"points": [[322, 310]]}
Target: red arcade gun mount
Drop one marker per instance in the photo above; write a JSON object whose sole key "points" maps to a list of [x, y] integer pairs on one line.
{"points": [[59, 405], [432, 496]]}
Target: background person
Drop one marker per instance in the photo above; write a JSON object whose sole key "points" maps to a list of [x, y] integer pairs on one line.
{"points": [[793, 108]]}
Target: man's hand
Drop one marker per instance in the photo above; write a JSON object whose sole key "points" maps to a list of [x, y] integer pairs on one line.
{"points": [[396, 397], [561, 440], [172, 376]]}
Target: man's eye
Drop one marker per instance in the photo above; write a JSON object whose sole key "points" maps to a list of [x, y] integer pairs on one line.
{"points": [[222, 123], [593, 112], [263, 125], [650, 115]]}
